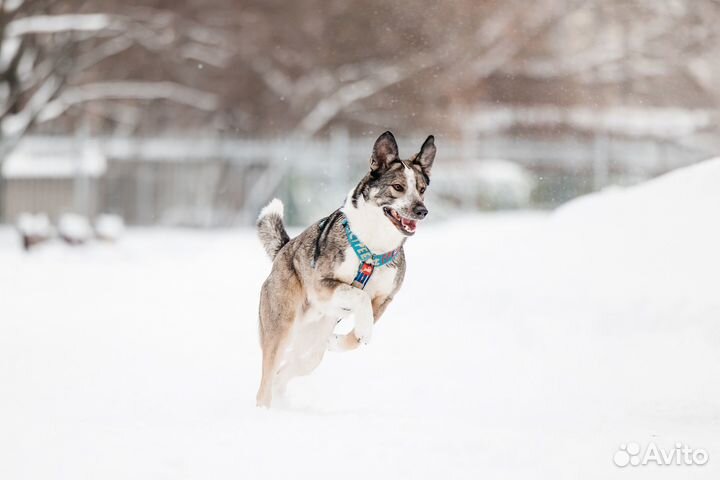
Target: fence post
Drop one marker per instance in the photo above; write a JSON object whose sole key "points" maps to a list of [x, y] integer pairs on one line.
{"points": [[145, 205], [601, 153], [2, 196]]}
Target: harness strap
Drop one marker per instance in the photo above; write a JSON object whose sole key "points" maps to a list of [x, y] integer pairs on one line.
{"points": [[368, 260]]}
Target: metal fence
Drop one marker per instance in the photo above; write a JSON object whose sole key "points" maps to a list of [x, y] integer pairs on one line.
{"points": [[219, 181]]}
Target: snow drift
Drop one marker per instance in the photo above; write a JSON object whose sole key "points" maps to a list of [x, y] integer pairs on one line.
{"points": [[683, 202], [534, 349]]}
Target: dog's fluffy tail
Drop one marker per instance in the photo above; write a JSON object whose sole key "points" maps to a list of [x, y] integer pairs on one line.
{"points": [[271, 229]]}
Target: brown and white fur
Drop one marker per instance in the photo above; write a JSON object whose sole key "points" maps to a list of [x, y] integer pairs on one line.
{"points": [[309, 288]]}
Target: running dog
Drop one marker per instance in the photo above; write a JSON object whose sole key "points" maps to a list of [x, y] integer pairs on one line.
{"points": [[349, 263]]}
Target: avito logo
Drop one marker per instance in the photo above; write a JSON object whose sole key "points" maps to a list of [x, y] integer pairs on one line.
{"points": [[631, 454]]}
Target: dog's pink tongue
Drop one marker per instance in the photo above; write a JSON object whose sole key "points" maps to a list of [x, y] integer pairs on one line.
{"points": [[410, 225]]}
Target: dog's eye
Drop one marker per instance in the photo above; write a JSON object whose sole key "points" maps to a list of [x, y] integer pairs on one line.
{"points": [[422, 191], [398, 187]]}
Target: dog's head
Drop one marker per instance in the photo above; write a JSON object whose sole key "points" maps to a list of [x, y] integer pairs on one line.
{"points": [[396, 186]]}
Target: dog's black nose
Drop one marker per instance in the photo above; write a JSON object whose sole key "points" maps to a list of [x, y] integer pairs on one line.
{"points": [[420, 211]]}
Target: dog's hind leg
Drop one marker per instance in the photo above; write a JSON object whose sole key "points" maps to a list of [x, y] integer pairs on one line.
{"points": [[276, 323], [308, 347], [298, 367], [273, 346]]}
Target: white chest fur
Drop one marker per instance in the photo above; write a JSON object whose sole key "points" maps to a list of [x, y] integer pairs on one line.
{"points": [[381, 282]]}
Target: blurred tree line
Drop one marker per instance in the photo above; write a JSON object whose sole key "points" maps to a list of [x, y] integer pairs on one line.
{"points": [[271, 68]]}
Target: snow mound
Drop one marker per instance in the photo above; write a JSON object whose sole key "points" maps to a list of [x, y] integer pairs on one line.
{"points": [[653, 244], [683, 202]]}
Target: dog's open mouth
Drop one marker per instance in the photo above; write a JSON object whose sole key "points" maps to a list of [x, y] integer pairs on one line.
{"points": [[405, 225]]}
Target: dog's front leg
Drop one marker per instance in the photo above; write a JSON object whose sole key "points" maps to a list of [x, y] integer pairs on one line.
{"points": [[343, 301]]}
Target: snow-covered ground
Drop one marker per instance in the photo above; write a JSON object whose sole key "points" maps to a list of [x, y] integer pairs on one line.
{"points": [[521, 346]]}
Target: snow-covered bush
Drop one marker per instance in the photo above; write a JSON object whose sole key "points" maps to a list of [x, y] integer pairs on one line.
{"points": [[491, 184], [33, 228], [503, 184], [74, 229], [109, 227]]}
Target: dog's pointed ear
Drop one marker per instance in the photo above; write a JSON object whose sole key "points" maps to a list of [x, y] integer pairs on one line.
{"points": [[427, 155], [384, 152]]}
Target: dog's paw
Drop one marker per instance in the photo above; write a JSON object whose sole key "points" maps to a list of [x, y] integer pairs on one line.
{"points": [[363, 337], [334, 343], [363, 331], [342, 343]]}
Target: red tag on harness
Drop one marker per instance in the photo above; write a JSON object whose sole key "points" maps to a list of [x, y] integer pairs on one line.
{"points": [[367, 268]]}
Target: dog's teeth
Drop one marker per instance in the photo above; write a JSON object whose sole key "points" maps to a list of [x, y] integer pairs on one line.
{"points": [[409, 225]]}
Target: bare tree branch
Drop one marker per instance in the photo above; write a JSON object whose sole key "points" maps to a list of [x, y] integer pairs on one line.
{"points": [[40, 56], [46, 24], [497, 46], [128, 91]]}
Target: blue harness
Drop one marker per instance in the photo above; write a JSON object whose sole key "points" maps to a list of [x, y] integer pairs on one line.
{"points": [[368, 260]]}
